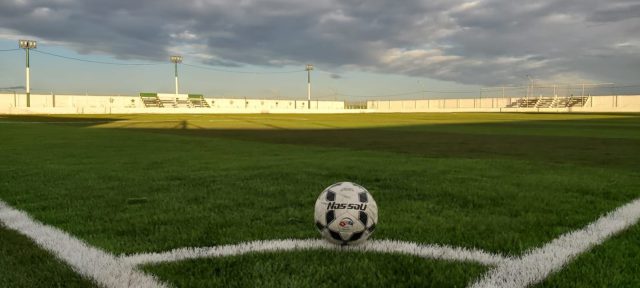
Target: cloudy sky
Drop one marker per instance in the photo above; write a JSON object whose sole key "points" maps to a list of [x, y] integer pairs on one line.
{"points": [[359, 46]]}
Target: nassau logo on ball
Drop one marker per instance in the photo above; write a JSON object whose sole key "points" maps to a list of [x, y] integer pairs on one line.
{"points": [[346, 214]]}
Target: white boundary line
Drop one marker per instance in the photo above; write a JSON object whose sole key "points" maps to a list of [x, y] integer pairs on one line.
{"points": [[536, 265], [532, 267], [115, 272], [80, 121], [119, 121], [104, 268], [380, 246], [53, 122]]}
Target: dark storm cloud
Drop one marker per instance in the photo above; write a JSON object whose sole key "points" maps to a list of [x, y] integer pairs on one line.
{"points": [[619, 11], [12, 88], [474, 42]]}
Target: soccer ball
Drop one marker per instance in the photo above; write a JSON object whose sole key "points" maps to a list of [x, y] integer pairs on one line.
{"points": [[346, 213]]}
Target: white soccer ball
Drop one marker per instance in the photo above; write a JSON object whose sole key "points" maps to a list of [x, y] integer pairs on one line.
{"points": [[346, 213]]}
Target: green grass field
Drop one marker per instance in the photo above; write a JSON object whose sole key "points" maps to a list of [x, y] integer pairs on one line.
{"points": [[503, 183]]}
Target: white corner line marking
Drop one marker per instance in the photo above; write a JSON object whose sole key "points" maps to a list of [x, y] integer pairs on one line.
{"points": [[380, 246], [536, 265], [104, 268], [116, 272]]}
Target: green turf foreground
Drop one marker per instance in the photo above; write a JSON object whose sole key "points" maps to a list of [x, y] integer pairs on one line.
{"points": [[614, 264], [23, 264], [504, 183], [318, 269]]}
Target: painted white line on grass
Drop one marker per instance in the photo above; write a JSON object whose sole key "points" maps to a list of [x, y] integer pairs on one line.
{"points": [[432, 251], [115, 272], [381, 246], [275, 118], [104, 268], [53, 122], [172, 120], [536, 265], [118, 121]]}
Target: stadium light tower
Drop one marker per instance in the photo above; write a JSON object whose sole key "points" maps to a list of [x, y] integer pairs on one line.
{"points": [[531, 83], [176, 60], [309, 68], [530, 90], [26, 45]]}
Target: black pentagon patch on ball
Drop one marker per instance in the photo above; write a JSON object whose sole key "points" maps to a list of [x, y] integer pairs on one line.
{"points": [[331, 196], [373, 227], [330, 216], [363, 197], [335, 235], [363, 218], [319, 226], [356, 236]]}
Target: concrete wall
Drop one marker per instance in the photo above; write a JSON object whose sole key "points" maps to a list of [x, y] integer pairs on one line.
{"points": [[264, 104], [626, 103], [115, 104], [68, 101]]}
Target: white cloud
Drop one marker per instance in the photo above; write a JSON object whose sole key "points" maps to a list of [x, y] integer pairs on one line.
{"points": [[415, 57], [184, 35]]}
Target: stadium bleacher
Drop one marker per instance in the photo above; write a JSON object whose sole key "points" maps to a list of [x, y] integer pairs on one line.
{"points": [[150, 100], [197, 100], [550, 102], [173, 100]]}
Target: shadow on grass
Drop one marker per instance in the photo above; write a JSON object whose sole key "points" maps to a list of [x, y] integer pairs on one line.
{"points": [[579, 150], [80, 120], [609, 142], [432, 141]]}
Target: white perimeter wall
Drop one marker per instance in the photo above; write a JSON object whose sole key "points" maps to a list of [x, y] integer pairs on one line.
{"points": [[626, 103], [115, 104]]}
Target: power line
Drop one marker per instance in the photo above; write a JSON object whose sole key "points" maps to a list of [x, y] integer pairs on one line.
{"points": [[407, 93], [96, 62], [378, 96], [7, 50], [152, 64], [242, 72]]}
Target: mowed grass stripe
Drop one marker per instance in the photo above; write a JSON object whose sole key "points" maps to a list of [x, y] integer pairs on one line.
{"points": [[590, 151], [582, 139], [556, 124]]}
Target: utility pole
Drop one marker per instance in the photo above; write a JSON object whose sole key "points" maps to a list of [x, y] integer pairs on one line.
{"points": [[26, 45], [176, 60], [309, 68]]}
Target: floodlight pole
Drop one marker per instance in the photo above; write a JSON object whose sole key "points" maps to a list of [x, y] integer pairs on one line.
{"points": [[309, 68], [28, 79], [176, 60], [422, 86], [26, 45], [531, 90], [176, 76]]}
